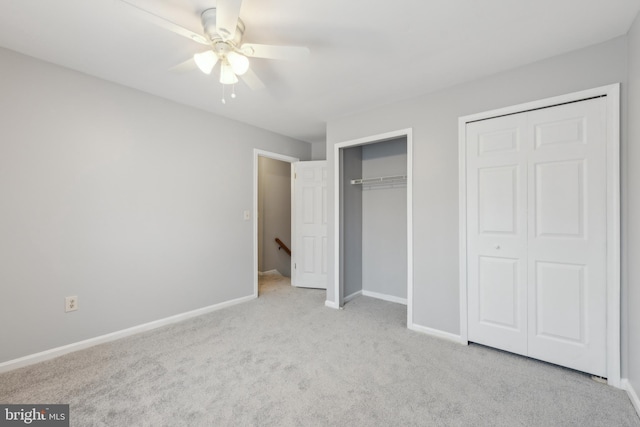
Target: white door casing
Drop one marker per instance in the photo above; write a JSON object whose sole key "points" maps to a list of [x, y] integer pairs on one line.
{"points": [[309, 251], [536, 234], [338, 287]]}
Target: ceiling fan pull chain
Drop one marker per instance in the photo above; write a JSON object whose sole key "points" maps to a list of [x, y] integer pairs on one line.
{"points": [[224, 101], [233, 91]]}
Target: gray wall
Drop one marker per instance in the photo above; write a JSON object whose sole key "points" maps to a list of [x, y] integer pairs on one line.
{"points": [[351, 244], [632, 231], [129, 201], [434, 119], [274, 214], [319, 150], [384, 220]]}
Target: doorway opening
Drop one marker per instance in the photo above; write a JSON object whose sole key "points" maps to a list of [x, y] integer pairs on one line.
{"points": [[373, 218], [271, 214]]}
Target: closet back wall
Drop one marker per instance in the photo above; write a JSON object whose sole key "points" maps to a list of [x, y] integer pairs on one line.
{"points": [[384, 220]]}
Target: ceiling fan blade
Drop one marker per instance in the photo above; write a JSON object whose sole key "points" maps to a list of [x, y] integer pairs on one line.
{"points": [[162, 23], [252, 80], [292, 53], [227, 14], [183, 67]]}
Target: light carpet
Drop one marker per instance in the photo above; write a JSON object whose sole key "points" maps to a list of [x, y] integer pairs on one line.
{"points": [[285, 359]]}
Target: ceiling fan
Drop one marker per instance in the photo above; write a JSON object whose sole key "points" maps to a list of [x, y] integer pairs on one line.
{"points": [[222, 33]]}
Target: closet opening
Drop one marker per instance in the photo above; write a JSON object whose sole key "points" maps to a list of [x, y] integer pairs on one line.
{"points": [[540, 230], [373, 219]]}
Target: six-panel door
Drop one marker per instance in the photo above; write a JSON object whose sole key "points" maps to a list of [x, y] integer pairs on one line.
{"points": [[497, 235], [310, 216], [536, 209], [567, 297]]}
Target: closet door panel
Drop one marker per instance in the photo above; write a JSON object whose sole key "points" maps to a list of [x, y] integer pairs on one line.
{"points": [[560, 309], [567, 236], [499, 292], [496, 238], [497, 199], [560, 199]]}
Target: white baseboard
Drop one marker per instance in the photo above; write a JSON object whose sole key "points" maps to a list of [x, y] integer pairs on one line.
{"points": [[80, 345], [437, 333], [385, 297], [352, 296], [633, 396], [269, 272], [332, 304]]}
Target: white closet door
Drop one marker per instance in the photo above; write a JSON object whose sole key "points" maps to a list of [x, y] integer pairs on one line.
{"points": [[536, 210], [497, 235], [310, 225], [567, 235]]}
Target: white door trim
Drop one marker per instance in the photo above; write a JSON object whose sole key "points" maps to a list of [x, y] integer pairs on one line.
{"points": [[277, 156], [336, 219], [612, 92]]}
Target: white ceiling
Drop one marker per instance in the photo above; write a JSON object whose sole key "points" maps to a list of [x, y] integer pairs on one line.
{"points": [[363, 53]]}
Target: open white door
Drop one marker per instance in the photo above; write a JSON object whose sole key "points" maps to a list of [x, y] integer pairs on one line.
{"points": [[309, 223]]}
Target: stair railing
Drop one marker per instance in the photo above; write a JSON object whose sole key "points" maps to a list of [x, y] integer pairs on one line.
{"points": [[281, 245]]}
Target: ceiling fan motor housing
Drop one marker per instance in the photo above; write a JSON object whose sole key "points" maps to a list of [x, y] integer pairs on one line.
{"points": [[210, 29]]}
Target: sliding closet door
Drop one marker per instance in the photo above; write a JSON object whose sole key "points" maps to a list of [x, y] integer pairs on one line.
{"points": [[567, 235], [496, 232], [536, 212]]}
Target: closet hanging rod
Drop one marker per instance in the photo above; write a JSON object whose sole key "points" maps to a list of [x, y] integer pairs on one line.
{"points": [[379, 180]]}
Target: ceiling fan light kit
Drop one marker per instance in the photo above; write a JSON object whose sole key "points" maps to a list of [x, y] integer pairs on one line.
{"points": [[239, 63], [223, 32], [225, 48], [227, 76], [205, 61]]}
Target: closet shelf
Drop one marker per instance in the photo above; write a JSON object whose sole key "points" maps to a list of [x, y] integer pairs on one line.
{"points": [[380, 180]]}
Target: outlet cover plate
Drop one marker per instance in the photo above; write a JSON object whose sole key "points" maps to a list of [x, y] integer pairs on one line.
{"points": [[70, 304]]}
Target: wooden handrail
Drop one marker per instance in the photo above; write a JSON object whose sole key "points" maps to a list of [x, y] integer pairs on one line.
{"points": [[281, 245]]}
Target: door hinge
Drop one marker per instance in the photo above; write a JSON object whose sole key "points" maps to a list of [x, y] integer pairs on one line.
{"points": [[295, 266]]}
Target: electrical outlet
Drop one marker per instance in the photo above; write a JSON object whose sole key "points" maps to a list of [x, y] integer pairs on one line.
{"points": [[70, 304]]}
